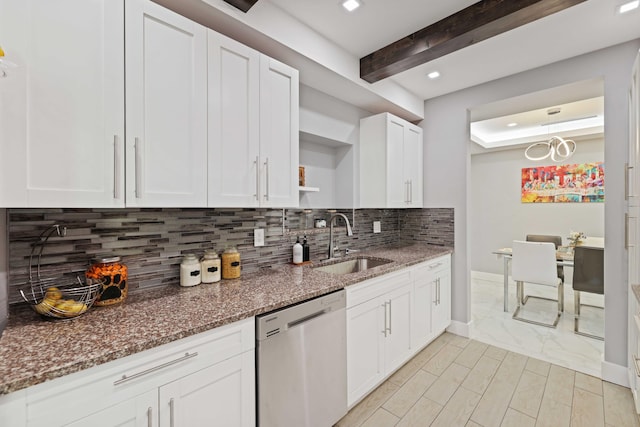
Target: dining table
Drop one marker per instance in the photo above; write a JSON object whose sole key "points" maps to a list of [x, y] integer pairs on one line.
{"points": [[564, 258]]}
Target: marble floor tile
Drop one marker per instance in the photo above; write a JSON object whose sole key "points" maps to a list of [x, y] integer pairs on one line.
{"points": [[560, 346]]}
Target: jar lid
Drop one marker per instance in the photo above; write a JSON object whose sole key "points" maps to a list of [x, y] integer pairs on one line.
{"points": [[230, 251], [189, 257], [210, 253], [106, 259]]}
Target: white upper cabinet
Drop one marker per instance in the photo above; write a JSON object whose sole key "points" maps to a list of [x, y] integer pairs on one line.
{"points": [[234, 139], [390, 163], [166, 99], [253, 127], [62, 109], [279, 133]]}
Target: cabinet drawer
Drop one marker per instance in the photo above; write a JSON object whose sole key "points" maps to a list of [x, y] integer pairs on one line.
{"points": [[71, 397], [432, 267], [375, 287]]}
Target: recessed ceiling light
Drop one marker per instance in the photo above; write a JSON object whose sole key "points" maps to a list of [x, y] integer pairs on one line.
{"points": [[512, 124], [433, 75], [351, 5], [628, 6]]}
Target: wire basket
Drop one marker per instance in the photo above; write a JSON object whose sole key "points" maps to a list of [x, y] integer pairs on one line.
{"points": [[58, 298]]}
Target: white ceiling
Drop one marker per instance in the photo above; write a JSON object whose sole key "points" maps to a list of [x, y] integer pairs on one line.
{"points": [[588, 26], [325, 43]]}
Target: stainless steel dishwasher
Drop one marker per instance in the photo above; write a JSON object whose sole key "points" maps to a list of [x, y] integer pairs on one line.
{"points": [[302, 364]]}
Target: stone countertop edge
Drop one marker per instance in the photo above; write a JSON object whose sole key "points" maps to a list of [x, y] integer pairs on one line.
{"points": [[34, 350]]}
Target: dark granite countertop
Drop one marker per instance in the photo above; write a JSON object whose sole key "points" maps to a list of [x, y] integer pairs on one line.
{"points": [[34, 350]]}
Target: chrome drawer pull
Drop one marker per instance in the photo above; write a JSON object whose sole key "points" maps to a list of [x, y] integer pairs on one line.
{"points": [[635, 364], [149, 417], [126, 378], [172, 410]]}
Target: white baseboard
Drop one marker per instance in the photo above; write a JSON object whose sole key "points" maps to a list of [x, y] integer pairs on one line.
{"points": [[615, 373], [459, 328]]}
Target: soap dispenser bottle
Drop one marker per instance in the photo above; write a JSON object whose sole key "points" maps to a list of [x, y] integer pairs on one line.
{"points": [[297, 252], [305, 250]]}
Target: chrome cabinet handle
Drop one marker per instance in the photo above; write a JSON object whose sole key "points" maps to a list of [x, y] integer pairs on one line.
{"points": [[116, 167], [126, 378], [410, 191], [626, 180], [384, 331], [626, 230], [390, 317], [138, 164], [257, 163], [635, 364], [149, 417], [172, 412], [266, 165], [431, 267]]}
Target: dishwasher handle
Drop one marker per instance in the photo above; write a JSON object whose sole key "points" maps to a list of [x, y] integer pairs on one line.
{"points": [[305, 319]]}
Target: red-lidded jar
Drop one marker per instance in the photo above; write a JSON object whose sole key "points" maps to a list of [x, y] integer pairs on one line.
{"points": [[113, 273]]}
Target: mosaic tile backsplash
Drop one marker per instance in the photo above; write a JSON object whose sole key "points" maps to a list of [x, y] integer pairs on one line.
{"points": [[151, 242]]}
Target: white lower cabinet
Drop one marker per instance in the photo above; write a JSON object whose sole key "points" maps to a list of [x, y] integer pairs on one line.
{"points": [[390, 318], [432, 299], [206, 379]]}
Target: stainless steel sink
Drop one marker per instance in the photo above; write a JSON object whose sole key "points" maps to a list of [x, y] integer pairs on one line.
{"points": [[353, 265]]}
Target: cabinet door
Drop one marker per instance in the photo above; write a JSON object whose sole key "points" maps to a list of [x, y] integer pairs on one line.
{"points": [[62, 118], [166, 99], [141, 411], [398, 342], [365, 348], [234, 96], [441, 310], [413, 164], [422, 302], [397, 184], [220, 395], [279, 123]]}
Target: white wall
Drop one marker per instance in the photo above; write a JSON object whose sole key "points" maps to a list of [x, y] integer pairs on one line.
{"points": [[447, 169], [329, 141], [497, 217]]}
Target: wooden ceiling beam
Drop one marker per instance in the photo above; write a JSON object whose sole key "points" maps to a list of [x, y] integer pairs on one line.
{"points": [[478, 22], [243, 5]]}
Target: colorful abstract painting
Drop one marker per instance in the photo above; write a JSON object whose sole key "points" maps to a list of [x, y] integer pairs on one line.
{"points": [[577, 183]]}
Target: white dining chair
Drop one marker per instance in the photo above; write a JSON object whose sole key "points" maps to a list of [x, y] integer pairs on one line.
{"points": [[535, 263]]}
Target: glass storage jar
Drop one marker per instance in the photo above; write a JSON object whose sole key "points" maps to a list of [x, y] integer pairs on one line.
{"points": [[231, 264], [114, 275], [190, 271], [210, 266]]}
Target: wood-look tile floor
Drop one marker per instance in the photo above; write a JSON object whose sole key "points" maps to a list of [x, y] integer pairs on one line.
{"points": [[456, 381]]}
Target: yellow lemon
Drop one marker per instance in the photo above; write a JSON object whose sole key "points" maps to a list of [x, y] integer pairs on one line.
{"points": [[45, 305], [53, 293]]}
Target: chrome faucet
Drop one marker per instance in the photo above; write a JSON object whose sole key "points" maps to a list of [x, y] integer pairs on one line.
{"points": [[331, 221]]}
